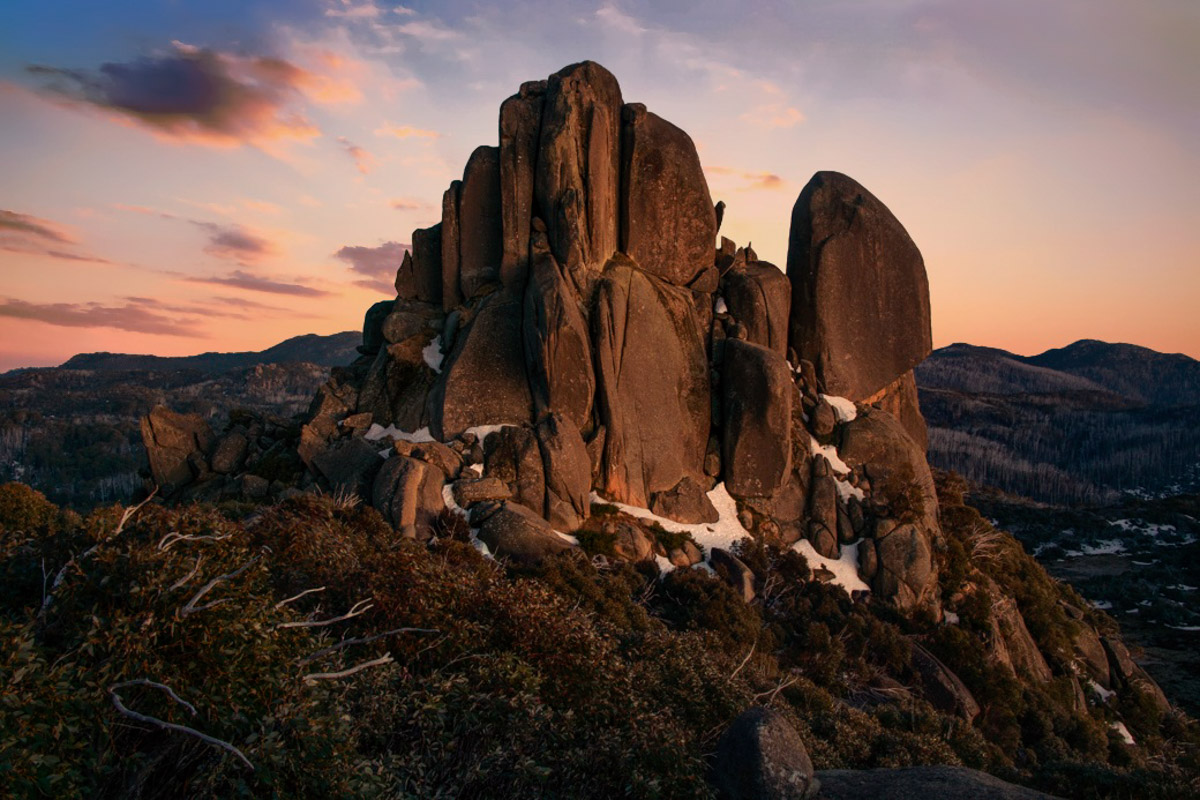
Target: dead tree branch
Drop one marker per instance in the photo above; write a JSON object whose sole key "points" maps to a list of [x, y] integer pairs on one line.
{"points": [[191, 607], [174, 537], [312, 678], [283, 603], [171, 726], [186, 578], [359, 608]]}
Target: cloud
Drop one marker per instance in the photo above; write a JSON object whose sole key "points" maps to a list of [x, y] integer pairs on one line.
{"points": [[377, 265], [35, 227], [751, 180], [406, 132], [30, 235], [774, 115], [235, 243], [349, 10], [363, 160], [612, 17], [239, 279], [196, 95], [428, 30], [406, 204], [138, 317]]}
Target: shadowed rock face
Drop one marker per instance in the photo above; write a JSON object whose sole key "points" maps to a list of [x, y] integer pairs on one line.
{"points": [[479, 222], [520, 129], [860, 296]]}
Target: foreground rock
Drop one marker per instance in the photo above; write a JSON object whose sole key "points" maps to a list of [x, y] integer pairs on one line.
{"points": [[920, 783], [170, 440], [761, 757], [516, 533]]}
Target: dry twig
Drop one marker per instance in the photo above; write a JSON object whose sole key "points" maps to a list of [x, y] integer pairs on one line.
{"points": [[191, 606], [312, 678], [283, 603], [359, 608], [361, 640]]}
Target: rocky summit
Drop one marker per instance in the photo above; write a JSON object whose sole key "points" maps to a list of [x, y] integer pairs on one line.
{"points": [[576, 362], [575, 293]]}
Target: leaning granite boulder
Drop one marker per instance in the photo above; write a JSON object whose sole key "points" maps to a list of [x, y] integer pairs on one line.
{"points": [[516, 533], [756, 405], [860, 295]]}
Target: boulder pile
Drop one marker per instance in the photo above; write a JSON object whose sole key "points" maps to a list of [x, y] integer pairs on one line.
{"points": [[573, 332]]}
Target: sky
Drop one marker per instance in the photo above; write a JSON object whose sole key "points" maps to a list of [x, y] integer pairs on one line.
{"points": [[183, 176]]}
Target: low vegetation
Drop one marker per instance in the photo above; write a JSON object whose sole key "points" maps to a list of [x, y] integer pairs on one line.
{"points": [[306, 650]]}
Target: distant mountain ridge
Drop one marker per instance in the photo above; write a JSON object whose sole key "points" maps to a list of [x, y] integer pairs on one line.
{"points": [[1136, 373], [327, 351], [1077, 424]]}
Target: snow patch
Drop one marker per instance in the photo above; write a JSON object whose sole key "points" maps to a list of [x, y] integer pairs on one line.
{"points": [[433, 354], [722, 533], [844, 410], [1110, 547], [1101, 605], [1105, 694], [1123, 732], [483, 431], [949, 617], [664, 566], [846, 490], [566, 537], [377, 431], [1184, 627], [451, 503], [831, 455], [844, 569], [720, 307]]}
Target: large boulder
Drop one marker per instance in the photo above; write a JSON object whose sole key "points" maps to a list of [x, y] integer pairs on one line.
{"points": [[515, 532], [668, 222], [520, 123], [905, 573], [557, 347], [372, 332], [653, 384], [349, 466], [759, 296], [568, 472], [170, 439], [900, 475], [577, 178], [686, 502], [756, 405], [479, 221], [762, 757], [408, 493], [860, 295], [483, 381]]}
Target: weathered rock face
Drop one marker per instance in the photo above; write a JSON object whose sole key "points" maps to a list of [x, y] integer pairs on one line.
{"points": [[653, 399], [408, 493], [426, 258], [668, 223], [577, 180], [756, 405], [451, 246], [761, 757], [479, 221], [483, 381], [520, 126], [941, 686], [557, 347], [759, 296], [514, 456], [686, 502], [860, 296], [170, 439]]}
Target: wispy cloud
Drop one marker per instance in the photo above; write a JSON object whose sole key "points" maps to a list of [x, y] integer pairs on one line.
{"points": [[406, 132], [376, 265], [30, 235], [235, 243], [407, 204], [363, 160], [139, 317], [774, 115], [240, 279], [749, 180]]}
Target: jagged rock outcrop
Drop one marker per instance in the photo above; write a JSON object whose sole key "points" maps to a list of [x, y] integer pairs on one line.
{"points": [[860, 296], [479, 222], [759, 296], [520, 128]]}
